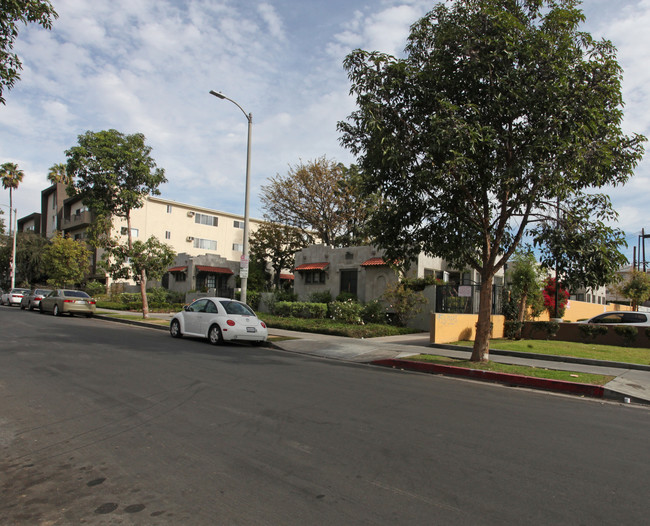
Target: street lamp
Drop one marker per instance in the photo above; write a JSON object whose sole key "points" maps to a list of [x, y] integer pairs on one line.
{"points": [[13, 251], [243, 270]]}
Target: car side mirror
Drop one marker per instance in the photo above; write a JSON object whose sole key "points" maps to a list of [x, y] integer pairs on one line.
{"points": [[186, 308]]}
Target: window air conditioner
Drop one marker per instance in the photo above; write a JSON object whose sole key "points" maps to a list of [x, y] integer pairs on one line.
{"points": [[190, 238]]}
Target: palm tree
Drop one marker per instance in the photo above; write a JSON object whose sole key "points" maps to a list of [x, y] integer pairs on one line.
{"points": [[59, 174], [11, 176]]}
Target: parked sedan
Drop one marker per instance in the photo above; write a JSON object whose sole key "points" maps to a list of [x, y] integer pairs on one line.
{"points": [[14, 296], [219, 319], [32, 300], [62, 301], [622, 318]]}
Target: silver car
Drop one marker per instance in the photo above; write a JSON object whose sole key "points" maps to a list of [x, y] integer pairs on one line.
{"points": [[637, 319], [32, 300]]}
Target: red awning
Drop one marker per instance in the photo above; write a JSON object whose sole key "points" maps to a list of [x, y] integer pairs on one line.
{"points": [[287, 276], [312, 266], [177, 269], [214, 270], [374, 262]]}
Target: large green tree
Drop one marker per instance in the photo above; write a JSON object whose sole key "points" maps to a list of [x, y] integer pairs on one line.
{"points": [[11, 177], [317, 197], [67, 261], [150, 259], [278, 245], [499, 109], [30, 250], [636, 288], [112, 173], [13, 12]]}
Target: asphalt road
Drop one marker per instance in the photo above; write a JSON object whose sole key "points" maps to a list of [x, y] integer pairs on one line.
{"points": [[102, 423]]}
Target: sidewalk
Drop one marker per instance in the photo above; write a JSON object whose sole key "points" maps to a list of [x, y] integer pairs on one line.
{"points": [[632, 383]]}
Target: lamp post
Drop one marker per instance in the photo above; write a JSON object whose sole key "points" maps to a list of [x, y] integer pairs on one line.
{"points": [[243, 270], [13, 251]]}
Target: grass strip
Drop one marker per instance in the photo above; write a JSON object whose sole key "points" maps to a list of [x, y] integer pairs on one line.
{"points": [[134, 317], [575, 349], [536, 372]]}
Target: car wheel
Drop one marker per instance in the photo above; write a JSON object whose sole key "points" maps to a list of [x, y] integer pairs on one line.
{"points": [[89, 315], [175, 329], [214, 335], [40, 309], [55, 310], [22, 307]]}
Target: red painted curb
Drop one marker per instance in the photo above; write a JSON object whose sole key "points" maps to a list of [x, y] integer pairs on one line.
{"points": [[596, 391]]}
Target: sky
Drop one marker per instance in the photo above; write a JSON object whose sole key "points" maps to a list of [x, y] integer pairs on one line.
{"points": [[148, 66]]}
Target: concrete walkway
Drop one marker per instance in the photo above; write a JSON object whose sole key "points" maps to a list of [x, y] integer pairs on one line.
{"points": [[630, 384]]}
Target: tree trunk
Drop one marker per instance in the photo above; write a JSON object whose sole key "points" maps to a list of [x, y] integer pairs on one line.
{"points": [[143, 293], [481, 351], [521, 314]]}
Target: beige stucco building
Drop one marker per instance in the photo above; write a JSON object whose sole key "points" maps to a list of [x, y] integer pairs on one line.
{"points": [[208, 242]]}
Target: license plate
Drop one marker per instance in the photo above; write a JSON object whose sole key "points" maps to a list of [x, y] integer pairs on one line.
{"points": [[81, 302], [251, 329]]}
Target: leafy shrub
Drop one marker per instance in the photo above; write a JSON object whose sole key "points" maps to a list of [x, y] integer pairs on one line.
{"points": [[346, 311], [628, 333], [346, 296], [285, 295], [590, 331], [320, 297], [404, 302], [253, 299], [419, 284], [512, 329], [374, 312], [300, 309], [549, 327], [95, 288]]}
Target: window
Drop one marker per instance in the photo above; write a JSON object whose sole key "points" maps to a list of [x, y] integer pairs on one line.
{"points": [[204, 219], [169, 209], [168, 234], [238, 224], [206, 244], [134, 231], [315, 276], [238, 247]]}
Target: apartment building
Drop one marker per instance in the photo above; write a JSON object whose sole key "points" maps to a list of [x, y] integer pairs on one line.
{"points": [[208, 243]]}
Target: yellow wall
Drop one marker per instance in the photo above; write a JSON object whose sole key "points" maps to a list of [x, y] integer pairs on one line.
{"points": [[446, 328]]}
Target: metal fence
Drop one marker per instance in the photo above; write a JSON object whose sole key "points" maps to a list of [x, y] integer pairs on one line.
{"points": [[464, 299]]}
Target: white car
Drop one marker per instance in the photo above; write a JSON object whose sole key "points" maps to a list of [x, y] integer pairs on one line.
{"points": [[14, 296], [218, 320], [641, 319]]}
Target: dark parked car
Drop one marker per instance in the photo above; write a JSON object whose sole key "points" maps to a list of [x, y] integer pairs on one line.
{"points": [[622, 318]]}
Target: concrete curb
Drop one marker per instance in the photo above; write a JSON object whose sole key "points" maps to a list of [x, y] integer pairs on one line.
{"points": [[594, 391], [133, 322]]}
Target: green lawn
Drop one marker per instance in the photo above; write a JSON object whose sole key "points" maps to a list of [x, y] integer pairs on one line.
{"points": [[336, 328], [577, 350], [567, 376]]}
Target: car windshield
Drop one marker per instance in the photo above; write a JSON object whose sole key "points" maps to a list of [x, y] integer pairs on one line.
{"points": [[41, 292], [236, 308], [75, 294], [20, 291]]}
